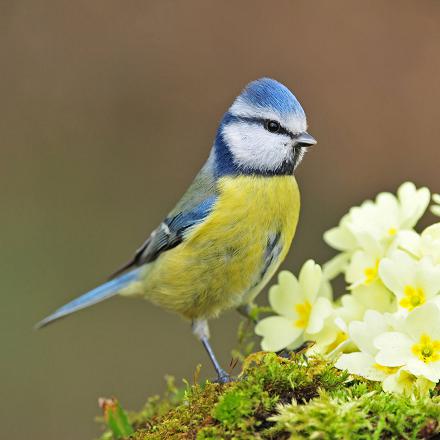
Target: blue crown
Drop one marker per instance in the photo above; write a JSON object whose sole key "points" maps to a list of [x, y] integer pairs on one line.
{"points": [[268, 93]]}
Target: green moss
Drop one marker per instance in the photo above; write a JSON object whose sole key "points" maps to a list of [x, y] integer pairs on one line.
{"points": [[373, 415], [278, 398], [266, 381]]}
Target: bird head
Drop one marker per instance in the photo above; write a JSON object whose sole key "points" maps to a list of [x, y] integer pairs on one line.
{"points": [[263, 132]]}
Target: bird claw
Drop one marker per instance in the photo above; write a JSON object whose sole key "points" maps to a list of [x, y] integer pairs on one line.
{"points": [[223, 378]]}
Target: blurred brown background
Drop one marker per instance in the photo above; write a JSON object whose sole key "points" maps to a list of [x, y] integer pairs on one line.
{"points": [[108, 109]]}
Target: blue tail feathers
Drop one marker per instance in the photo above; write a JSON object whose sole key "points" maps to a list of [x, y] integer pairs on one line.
{"points": [[100, 293]]}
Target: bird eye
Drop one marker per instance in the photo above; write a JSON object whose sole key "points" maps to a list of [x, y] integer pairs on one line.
{"points": [[272, 126]]}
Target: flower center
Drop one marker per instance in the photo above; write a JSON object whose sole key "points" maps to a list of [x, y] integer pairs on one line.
{"points": [[303, 311], [413, 298], [427, 350], [371, 273], [392, 231]]}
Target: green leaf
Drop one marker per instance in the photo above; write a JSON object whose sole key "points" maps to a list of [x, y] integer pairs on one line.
{"points": [[116, 418]]}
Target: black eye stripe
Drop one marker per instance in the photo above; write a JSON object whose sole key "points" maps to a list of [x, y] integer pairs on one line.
{"points": [[282, 130], [262, 121]]}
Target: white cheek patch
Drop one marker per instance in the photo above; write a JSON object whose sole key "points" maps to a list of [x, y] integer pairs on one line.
{"points": [[252, 146], [295, 123]]}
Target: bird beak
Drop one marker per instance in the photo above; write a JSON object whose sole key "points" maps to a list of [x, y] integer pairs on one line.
{"points": [[304, 140]]}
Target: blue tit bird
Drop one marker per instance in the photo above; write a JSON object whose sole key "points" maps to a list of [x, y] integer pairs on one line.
{"points": [[233, 227]]}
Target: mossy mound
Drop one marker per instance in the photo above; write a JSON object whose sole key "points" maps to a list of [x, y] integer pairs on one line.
{"points": [[278, 398]]}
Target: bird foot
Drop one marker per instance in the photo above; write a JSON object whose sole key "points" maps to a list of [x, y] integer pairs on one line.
{"points": [[223, 378]]}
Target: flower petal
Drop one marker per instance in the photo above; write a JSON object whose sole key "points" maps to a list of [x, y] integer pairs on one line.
{"points": [[325, 337], [351, 309], [310, 278], [277, 332], [336, 265], [325, 290], [321, 310], [369, 241], [394, 349], [424, 319], [340, 237], [428, 277], [413, 203], [430, 242], [285, 295], [410, 241], [432, 231], [362, 268], [404, 382], [391, 384], [362, 333], [397, 272], [361, 364], [375, 296], [431, 371]]}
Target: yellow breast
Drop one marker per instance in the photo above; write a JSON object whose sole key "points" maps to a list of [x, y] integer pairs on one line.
{"points": [[222, 259]]}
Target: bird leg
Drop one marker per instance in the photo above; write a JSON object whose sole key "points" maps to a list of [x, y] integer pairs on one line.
{"points": [[201, 331]]}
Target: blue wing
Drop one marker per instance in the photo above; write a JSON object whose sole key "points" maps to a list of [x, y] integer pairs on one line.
{"points": [[169, 234], [192, 208]]}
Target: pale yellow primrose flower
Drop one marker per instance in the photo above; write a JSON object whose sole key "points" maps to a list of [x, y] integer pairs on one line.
{"points": [[388, 327], [363, 363], [362, 333], [302, 307], [416, 346], [414, 282], [373, 226]]}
